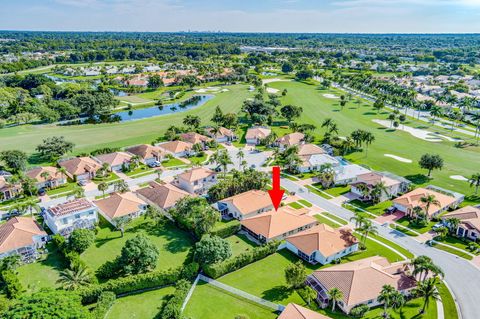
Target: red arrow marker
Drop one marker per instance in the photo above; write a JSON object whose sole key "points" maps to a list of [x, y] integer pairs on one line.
{"points": [[276, 193]]}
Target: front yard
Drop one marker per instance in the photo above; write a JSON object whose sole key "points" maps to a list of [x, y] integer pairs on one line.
{"points": [[173, 162], [405, 221], [377, 209]]}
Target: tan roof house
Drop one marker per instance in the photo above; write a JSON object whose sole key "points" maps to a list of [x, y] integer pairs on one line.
{"points": [[195, 138], [47, 176], [120, 205], [245, 204], [310, 149], [361, 281], [277, 225], [294, 311], [115, 160], [222, 135], [295, 138], [394, 186], [256, 134], [177, 148], [80, 168], [322, 244], [147, 153], [163, 196], [469, 226], [8, 190], [407, 202], [196, 180], [22, 236]]}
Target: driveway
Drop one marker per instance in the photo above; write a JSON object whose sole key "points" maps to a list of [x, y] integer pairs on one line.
{"points": [[462, 276]]}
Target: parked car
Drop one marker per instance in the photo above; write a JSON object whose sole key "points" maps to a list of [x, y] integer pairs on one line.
{"points": [[154, 164], [82, 182], [437, 226], [42, 192]]}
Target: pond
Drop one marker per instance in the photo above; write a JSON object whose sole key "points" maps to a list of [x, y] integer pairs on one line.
{"points": [[136, 114]]}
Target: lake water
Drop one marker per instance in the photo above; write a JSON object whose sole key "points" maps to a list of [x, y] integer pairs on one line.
{"points": [[152, 111]]}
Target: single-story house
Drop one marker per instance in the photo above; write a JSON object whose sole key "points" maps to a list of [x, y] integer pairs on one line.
{"points": [[21, 236], [309, 149], [47, 176], [407, 202], [147, 153], [66, 217], [223, 134], [294, 311], [8, 190], [256, 134], [245, 204], [195, 138], [295, 138], [80, 168], [177, 148], [120, 205], [323, 244], [278, 225], [163, 196], [314, 162], [361, 281], [469, 226], [116, 160], [347, 173], [395, 185], [196, 180]]}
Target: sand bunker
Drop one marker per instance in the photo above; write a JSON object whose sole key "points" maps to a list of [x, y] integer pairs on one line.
{"points": [[272, 90], [266, 81], [211, 89], [330, 96], [459, 178], [398, 158], [419, 133]]}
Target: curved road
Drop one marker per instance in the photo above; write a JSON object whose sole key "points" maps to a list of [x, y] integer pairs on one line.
{"points": [[462, 276]]}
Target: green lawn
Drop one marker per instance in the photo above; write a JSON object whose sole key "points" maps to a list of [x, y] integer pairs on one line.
{"points": [[337, 191], [44, 273], [336, 218], [453, 251], [240, 244], [403, 230], [65, 188], [405, 221], [323, 220], [140, 170], [377, 209], [456, 242], [318, 192], [111, 177], [399, 248], [142, 306], [172, 243], [449, 308], [210, 302], [295, 205], [173, 162], [305, 203]]}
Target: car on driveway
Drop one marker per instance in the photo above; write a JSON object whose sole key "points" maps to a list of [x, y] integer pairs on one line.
{"points": [[154, 164], [437, 226], [82, 182]]}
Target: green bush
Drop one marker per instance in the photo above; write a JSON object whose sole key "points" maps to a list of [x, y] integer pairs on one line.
{"points": [[104, 303], [232, 264], [81, 239], [359, 311], [12, 285], [227, 231], [172, 308]]}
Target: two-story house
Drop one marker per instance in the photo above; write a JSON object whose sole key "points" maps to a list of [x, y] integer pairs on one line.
{"points": [[66, 217], [196, 180]]}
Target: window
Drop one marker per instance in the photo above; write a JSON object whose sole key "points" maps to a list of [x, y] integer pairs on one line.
{"points": [[64, 221]]}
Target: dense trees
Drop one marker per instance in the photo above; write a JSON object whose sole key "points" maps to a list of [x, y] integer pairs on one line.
{"points": [[196, 215], [15, 160], [238, 183], [52, 148], [212, 249]]}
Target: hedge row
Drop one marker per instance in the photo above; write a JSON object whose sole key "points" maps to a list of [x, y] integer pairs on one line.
{"points": [[12, 285], [232, 264], [172, 308], [227, 231], [133, 283], [104, 303]]}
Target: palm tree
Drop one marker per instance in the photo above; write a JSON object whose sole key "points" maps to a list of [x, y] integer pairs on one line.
{"points": [[79, 192], [63, 172], [359, 219], [192, 121], [428, 291], [45, 175], [335, 295], [378, 190], [72, 279], [368, 138], [416, 211], [475, 182], [367, 228], [385, 296], [102, 187], [31, 205], [420, 265], [428, 201], [441, 231], [221, 158], [436, 111], [453, 223], [240, 156], [364, 190]]}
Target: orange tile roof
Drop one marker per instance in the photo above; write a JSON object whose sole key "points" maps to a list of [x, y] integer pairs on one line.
{"points": [[36, 173], [176, 146], [164, 196], [18, 232], [115, 158], [222, 131], [468, 215], [250, 201], [413, 199], [258, 132], [294, 311], [275, 223], [118, 205], [373, 178], [323, 238], [194, 138], [291, 139], [80, 165], [145, 151], [196, 174], [309, 149]]}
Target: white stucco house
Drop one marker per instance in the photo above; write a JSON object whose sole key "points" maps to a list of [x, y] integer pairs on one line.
{"points": [[66, 217]]}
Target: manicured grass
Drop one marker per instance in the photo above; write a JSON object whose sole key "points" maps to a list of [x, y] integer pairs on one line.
{"points": [[14, 201], [454, 241], [173, 162], [403, 230], [305, 203], [65, 188], [140, 170], [399, 248], [375, 249], [377, 209], [110, 178], [44, 273], [172, 243], [295, 205], [449, 308], [336, 218], [198, 159], [323, 220], [337, 191], [405, 221], [453, 251], [318, 192], [210, 302], [145, 305], [240, 244]]}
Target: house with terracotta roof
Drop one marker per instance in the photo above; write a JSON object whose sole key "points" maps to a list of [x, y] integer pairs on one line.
{"points": [[116, 160], [294, 311], [278, 225], [469, 226], [407, 202], [162, 196], [196, 180], [288, 140], [256, 134], [195, 138], [177, 148], [222, 135], [8, 190], [394, 185], [147, 153], [21, 236], [80, 168], [47, 176], [322, 244], [361, 281], [66, 217], [245, 205], [119, 205]]}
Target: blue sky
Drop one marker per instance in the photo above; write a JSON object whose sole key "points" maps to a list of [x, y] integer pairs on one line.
{"points": [[367, 16]]}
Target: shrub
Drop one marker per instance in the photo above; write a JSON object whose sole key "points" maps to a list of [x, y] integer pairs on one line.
{"points": [[359, 311], [212, 249], [80, 240], [12, 285], [104, 303], [232, 264], [224, 232], [172, 308]]}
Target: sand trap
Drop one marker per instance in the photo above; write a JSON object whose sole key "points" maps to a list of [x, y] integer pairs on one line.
{"points": [[265, 81], [398, 158], [272, 90], [330, 96], [459, 178], [211, 89], [419, 133]]}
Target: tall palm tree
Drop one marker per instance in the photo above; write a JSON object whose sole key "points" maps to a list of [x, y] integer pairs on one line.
{"points": [[435, 112], [428, 291], [45, 175], [453, 223], [72, 279], [335, 295], [368, 138], [221, 158], [364, 190], [359, 219], [240, 157], [420, 265], [378, 190], [429, 200], [366, 229], [31, 205], [385, 296], [475, 181]]}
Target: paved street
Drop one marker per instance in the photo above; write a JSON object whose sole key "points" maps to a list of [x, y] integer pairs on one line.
{"points": [[461, 275]]}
